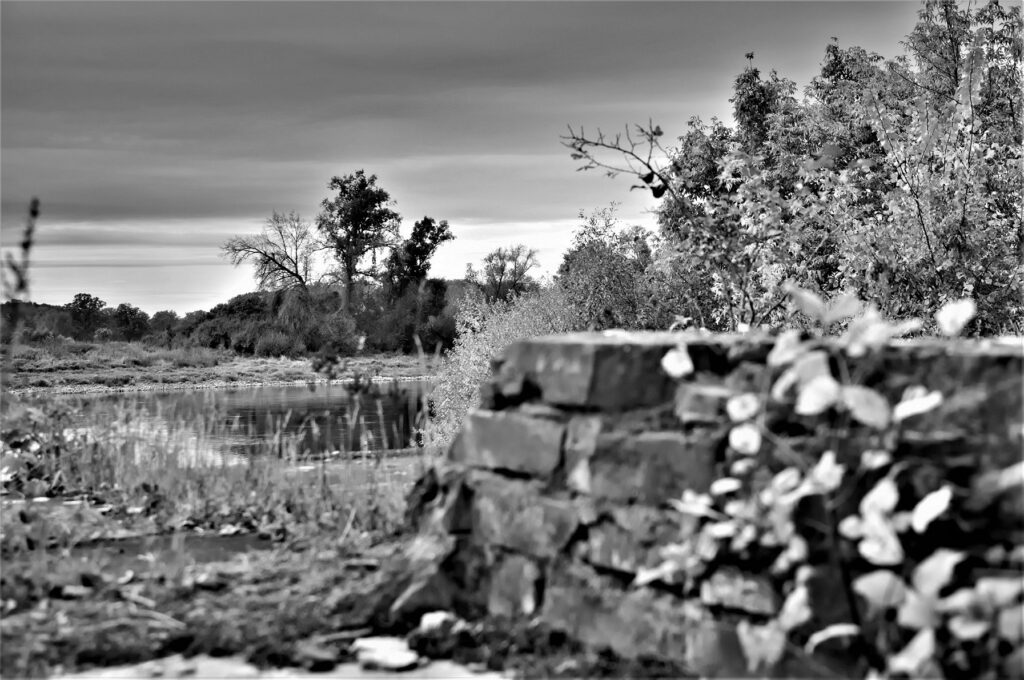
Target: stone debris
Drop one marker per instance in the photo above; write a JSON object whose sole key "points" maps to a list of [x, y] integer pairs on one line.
{"points": [[385, 654]]}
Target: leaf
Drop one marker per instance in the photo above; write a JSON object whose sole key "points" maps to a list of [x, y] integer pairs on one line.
{"points": [[787, 348], [647, 575], [882, 498], [930, 507], [916, 655], [915, 405], [817, 395], [745, 439], [867, 406], [827, 473], [805, 368], [874, 459], [762, 645], [1011, 624], [966, 628], [1000, 591], [917, 611], [677, 362], [743, 407], [843, 307], [955, 315], [796, 610], [851, 527], [806, 301], [880, 545], [881, 589], [935, 571], [724, 485], [829, 632]]}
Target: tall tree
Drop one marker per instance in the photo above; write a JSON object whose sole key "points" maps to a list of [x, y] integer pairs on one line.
{"points": [[409, 262], [284, 253], [86, 315], [357, 224], [130, 322], [506, 272]]}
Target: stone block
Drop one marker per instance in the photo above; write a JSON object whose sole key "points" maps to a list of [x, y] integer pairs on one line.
{"points": [[609, 372], [649, 468], [515, 585], [630, 538], [512, 514], [507, 440]]}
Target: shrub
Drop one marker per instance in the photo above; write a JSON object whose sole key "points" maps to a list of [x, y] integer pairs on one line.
{"points": [[103, 335], [274, 343], [484, 330]]}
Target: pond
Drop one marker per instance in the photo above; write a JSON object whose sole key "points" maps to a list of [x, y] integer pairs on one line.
{"points": [[294, 421]]}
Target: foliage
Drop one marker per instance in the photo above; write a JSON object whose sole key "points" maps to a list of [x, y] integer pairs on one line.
{"points": [[913, 611], [284, 253], [484, 330], [409, 262], [85, 315], [130, 322], [506, 272], [897, 179], [606, 273], [357, 223]]}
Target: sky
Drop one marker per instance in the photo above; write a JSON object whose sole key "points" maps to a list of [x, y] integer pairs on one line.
{"points": [[153, 131]]}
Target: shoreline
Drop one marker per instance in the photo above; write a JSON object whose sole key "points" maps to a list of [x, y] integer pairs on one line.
{"points": [[96, 388]]}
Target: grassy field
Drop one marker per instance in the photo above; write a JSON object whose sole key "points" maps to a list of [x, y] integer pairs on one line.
{"points": [[82, 366]]}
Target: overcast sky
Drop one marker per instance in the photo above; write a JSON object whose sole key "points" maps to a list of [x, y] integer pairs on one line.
{"points": [[153, 131]]}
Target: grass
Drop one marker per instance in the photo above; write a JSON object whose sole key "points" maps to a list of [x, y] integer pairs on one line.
{"points": [[70, 366]]}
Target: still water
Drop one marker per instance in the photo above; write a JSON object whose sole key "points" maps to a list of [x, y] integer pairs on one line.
{"points": [[293, 421]]}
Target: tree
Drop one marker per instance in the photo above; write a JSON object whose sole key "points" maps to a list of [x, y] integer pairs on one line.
{"points": [[164, 320], [409, 262], [357, 223], [130, 323], [284, 253], [898, 179], [505, 272], [605, 272], [86, 315]]}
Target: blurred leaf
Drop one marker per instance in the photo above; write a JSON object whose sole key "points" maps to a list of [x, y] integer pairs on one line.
{"points": [[677, 362], [817, 395], [880, 544], [843, 307], [1000, 591], [827, 473], [881, 499], [917, 611], [913, 658], [965, 628], [933, 573], [787, 348], [881, 589], [916, 405], [807, 302], [867, 406], [955, 315], [931, 507], [796, 610]]}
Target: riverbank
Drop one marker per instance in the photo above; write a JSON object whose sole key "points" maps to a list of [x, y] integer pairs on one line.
{"points": [[119, 367]]}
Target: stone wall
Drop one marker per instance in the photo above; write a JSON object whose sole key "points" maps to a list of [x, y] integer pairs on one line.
{"points": [[556, 491]]}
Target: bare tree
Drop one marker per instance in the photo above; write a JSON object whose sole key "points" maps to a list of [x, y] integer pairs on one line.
{"points": [[284, 253], [506, 272]]}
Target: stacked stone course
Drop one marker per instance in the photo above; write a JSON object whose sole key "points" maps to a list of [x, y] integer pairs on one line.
{"points": [[555, 492]]}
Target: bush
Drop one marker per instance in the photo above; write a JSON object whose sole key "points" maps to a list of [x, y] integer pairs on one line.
{"points": [[484, 330], [274, 343], [103, 335]]}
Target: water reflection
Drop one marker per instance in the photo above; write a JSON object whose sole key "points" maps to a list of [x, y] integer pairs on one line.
{"points": [[291, 421]]}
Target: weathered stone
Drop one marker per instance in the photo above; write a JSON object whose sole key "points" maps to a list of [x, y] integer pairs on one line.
{"points": [[649, 468], [701, 404], [631, 539], [512, 514], [506, 440], [730, 588], [613, 373], [385, 654], [514, 587]]}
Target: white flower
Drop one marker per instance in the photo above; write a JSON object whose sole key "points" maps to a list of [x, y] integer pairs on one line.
{"points": [[743, 407], [745, 439]]}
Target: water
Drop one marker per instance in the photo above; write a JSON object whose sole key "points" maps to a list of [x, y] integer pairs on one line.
{"points": [[293, 421]]}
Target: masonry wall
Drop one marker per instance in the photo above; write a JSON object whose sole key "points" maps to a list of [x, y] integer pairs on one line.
{"points": [[556, 491]]}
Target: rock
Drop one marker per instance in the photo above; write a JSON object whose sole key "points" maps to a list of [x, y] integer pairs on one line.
{"points": [[649, 468], [512, 514], [514, 588], [434, 620], [506, 440], [385, 654]]}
